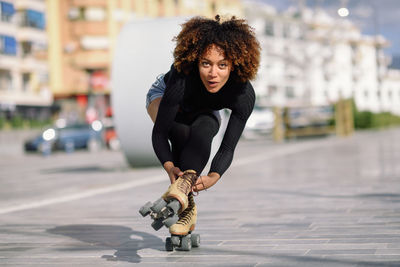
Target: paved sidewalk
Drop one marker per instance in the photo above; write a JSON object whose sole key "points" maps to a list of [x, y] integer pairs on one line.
{"points": [[322, 202]]}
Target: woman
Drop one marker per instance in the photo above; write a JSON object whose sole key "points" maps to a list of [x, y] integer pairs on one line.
{"points": [[213, 63]]}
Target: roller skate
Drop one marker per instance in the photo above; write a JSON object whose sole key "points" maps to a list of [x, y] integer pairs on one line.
{"points": [[165, 210], [181, 232]]}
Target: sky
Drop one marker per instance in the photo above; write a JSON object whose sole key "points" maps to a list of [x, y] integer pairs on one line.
{"points": [[363, 13]]}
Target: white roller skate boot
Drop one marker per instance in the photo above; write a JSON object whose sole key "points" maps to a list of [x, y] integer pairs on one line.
{"points": [[174, 201], [181, 232]]}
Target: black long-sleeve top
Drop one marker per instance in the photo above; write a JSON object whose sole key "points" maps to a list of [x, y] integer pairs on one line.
{"points": [[186, 93]]}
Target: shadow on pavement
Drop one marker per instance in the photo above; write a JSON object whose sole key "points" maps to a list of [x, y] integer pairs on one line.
{"points": [[124, 240]]}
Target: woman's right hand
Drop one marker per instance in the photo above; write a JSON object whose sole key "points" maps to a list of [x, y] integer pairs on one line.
{"points": [[172, 171]]}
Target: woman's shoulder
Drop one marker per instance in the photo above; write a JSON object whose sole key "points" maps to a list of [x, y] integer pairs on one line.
{"points": [[244, 100], [244, 89]]}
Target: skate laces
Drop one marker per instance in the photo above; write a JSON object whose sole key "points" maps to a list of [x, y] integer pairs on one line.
{"points": [[187, 180]]}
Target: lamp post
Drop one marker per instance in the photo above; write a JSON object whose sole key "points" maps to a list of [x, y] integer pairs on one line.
{"points": [[343, 11]]}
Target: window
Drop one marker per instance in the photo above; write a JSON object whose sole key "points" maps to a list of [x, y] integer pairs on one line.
{"points": [[5, 80], [366, 94], [74, 13], [8, 45], [289, 92], [269, 28], [26, 48], [33, 19], [26, 78], [95, 42], [286, 31], [91, 13], [7, 11], [272, 90], [95, 14]]}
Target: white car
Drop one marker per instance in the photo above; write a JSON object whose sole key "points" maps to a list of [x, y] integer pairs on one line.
{"points": [[260, 123]]}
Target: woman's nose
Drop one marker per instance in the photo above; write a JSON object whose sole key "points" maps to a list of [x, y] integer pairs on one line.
{"points": [[213, 71]]}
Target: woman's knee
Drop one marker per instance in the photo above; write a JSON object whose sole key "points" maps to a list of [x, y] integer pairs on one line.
{"points": [[206, 126], [203, 132]]}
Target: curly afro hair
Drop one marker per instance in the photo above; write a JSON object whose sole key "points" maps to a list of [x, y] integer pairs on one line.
{"points": [[234, 36]]}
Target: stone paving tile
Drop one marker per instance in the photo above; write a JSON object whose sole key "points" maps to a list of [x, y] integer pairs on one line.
{"points": [[341, 252], [367, 240], [388, 251], [367, 260]]}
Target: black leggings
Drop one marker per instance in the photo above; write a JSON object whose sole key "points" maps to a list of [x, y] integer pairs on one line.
{"points": [[191, 142]]}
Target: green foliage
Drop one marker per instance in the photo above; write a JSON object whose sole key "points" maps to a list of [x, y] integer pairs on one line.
{"points": [[368, 119], [2, 121], [363, 120], [384, 119], [17, 122]]}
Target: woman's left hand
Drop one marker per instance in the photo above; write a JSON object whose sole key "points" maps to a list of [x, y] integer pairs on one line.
{"points": [[206, 181]]}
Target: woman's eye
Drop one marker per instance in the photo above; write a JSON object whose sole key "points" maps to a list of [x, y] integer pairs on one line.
{"points": [[223, 65], [205, 64]]}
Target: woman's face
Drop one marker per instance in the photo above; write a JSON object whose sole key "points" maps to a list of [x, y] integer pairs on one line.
{"points": [[214, 69]]}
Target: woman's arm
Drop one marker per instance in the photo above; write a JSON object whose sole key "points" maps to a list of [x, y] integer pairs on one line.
{"points": [[167, 110], [241, 110]]}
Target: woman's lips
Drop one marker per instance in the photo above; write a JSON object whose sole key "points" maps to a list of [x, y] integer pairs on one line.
{"points": [[212, 84]]}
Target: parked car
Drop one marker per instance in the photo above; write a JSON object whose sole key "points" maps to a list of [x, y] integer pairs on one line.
{"points": [[68, 138], [260, 123]]}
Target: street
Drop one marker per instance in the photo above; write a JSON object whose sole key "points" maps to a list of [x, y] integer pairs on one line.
{"points": [[317, 202]]}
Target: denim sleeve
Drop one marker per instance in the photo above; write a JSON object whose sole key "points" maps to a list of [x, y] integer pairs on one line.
{"points": [[156, 90]]}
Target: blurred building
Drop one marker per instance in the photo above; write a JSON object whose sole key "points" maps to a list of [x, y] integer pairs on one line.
{"points": [[390, 91], [82, 34], [23, 59], [311, 58]]}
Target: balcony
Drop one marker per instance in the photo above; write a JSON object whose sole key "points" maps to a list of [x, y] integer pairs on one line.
{"points": [[40, 98], [31, 64], [80, 28], [31, 34], [7, 28], [99, 3], [8, 62], [31, 4], [91, 59]]}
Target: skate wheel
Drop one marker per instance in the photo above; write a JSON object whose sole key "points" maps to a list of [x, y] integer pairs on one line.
{"points": [[186, 243], [175, 240], [159, 204], [170, 221], [157, 224], [145, 210], [168, 244], [195, 240], [174, 205]]}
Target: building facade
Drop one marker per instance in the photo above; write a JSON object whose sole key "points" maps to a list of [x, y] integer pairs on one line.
{"points": [[24, 70], [310, 58]]}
